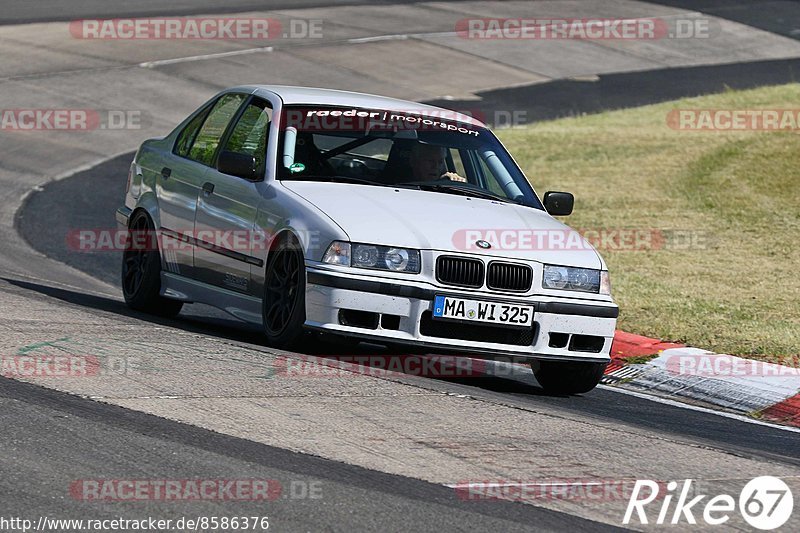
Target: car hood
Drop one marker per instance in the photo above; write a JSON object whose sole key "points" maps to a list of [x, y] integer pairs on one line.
{"points": [[426, 220]]}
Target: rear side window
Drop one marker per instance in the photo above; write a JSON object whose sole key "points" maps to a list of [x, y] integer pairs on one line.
{"points": [[208, 137]]}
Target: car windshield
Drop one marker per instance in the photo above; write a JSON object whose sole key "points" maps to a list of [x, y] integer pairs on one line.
{"points": [[399, 149]]}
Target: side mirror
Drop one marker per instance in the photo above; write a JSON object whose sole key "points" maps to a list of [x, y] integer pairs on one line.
{"points": [[559, 204], [240, 165]]}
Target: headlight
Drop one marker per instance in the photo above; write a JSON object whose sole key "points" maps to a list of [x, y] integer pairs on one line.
{"points": [[572, 279], [373, 256]]}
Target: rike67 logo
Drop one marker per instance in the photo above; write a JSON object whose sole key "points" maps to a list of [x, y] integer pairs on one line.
{"points": [[765, 503]]}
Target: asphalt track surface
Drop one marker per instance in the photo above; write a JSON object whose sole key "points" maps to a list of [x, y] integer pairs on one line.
{"points": [[79, 434], [92, 204], [25, 11], [140, 446]]}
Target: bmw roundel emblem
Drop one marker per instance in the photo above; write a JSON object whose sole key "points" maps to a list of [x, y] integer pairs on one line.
{"points": [[483, 244]]}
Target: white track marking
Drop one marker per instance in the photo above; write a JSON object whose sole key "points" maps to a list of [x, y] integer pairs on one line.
{"points": [[205, 57], [399, 37]]}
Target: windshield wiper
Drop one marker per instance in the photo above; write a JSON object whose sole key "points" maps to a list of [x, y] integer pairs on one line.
{"points": [[455, 189]]}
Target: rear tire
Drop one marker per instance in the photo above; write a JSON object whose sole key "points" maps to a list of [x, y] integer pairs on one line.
{"points": [[284, 301], [141, 272], [558, 377]]}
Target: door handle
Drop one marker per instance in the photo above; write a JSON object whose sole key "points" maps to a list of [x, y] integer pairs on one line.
{"points": [[208, 188], [166, 172]]}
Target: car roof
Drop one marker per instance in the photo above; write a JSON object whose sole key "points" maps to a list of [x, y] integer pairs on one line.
{"points": [[292, 95]]}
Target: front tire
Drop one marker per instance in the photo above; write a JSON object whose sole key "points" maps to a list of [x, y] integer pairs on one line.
{"points": [[141, 271], [284, 302], [557, 377]]}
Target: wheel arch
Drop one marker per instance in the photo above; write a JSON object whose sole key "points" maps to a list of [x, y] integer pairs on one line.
{"points": [[150, 209], [284, 235], [148, 203]]}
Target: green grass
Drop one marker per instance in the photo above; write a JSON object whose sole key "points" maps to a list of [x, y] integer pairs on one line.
{"points": [[737, 288]]}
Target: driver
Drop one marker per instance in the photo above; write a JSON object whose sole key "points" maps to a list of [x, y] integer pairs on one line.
{"points": [[428, 163]]}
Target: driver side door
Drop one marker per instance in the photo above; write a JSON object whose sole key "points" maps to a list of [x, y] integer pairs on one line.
{"points": [[227, 205]]}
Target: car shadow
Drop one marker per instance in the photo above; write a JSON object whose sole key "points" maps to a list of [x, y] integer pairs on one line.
{"points": [[236, 330], [229, 329]]}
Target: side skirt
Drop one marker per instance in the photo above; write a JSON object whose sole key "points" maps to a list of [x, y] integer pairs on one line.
{"points": [[242, 306]]}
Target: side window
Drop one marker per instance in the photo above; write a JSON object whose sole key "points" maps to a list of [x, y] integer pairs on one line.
{"points": [[249, 136], [208, 138]]}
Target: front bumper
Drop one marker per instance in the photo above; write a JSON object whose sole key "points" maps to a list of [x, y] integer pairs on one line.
{"points": [[332, 296]]}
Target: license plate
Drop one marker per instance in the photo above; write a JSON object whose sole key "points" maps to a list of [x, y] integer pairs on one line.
{"points": [[479, 311]]}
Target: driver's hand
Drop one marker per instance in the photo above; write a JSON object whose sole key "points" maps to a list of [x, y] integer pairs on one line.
{"points": [[452, 176]]}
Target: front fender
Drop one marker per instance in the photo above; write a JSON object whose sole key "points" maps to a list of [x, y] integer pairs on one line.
{"points": [[283, 212], [149, 203]]}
